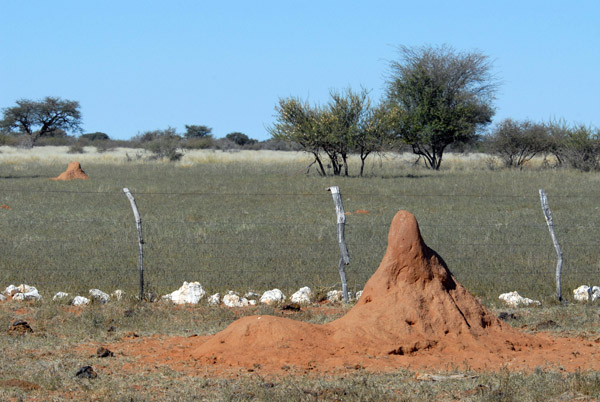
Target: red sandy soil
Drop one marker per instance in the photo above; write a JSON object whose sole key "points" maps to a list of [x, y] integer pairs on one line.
{"points": [[358, 212], [4, 206], [73, 171], [413, 314]]}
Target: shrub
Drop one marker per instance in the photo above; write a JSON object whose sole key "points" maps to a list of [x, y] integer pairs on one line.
{"points": [[198, 143], [76, 148], [55, 141], [518, 142], [9, 140], [164, 144], [240, 139], [582, 148]]}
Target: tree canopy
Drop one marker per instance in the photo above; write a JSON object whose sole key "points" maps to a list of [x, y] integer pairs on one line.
{"points": [[42, 118], [298, 122], [442, 96], [196, 131], [240, 139], [336, 129]]}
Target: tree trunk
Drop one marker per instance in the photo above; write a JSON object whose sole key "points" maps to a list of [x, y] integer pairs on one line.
{"points": [[363, 158], [317, 160], [345, 159], [321, 168]]}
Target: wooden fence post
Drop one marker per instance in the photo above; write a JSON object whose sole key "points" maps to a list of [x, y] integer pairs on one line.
{"points": [[550, 223], [138, 223], [341, 223]]}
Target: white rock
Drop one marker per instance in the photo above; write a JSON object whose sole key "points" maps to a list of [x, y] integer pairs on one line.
{"points": [[190, 293], [302, 296], [272, 297], [252, 302], [2, 297], [231, 299], [214, 300], [118, 294], [358, 295], [334, 296], [27, 289], [595, 292], [80, 301], [584, 292], [60, 295], [99, 296], [26, 292], [11, 290], [514, 299]]}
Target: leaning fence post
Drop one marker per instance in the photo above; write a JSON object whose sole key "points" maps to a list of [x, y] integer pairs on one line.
{"points": [[341, 223], [548, 215], [138, 223]]}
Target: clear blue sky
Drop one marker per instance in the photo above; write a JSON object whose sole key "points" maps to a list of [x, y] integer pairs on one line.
{"points": [[144, 65]]}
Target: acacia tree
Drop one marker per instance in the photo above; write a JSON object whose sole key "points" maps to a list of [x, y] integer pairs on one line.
{"points": [[298, 122], [341, 123], [334, 129], [196, 131], [42, 118], [375, 132], [444, 97]]}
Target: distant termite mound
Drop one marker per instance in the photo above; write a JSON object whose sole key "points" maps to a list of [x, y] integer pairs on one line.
{"points": [[73, 171], [411, 306]]}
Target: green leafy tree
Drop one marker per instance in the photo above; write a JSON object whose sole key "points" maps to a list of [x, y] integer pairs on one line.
{"points": [[195, 131], [375, 132], [340, 126], [45, 118], [335, 129], [298, 122], [444, 97]]}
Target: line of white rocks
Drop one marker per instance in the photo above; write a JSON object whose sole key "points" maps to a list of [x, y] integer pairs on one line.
{"points": [[193, 293], [188, 293]]}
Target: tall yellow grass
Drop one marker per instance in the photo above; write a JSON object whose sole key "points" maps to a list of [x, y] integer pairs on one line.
{"points": [[61, 155]]}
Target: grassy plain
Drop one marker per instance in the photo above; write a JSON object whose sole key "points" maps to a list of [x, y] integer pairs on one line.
{"points": [[255, 221]]}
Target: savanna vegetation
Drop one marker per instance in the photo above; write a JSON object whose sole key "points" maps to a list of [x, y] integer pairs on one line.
{"points": [[252, 220], [256, 225], [242, 225]]}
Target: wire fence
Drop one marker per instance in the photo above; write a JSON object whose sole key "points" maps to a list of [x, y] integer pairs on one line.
{"points": [[62, 240]]}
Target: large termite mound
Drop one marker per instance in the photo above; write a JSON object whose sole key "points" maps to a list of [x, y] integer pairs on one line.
{"points": [[410, 306], [73, 171], [414, 303]]}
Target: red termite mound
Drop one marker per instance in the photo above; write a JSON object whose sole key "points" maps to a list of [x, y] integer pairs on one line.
{"points": [[73, 171], [411, 306]]}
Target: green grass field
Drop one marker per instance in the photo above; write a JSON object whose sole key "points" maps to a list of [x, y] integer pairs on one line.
{"points": [[247, 225], [254, 221]]}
